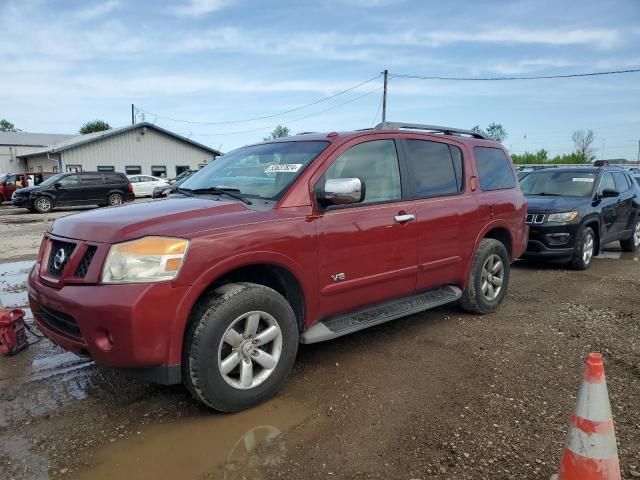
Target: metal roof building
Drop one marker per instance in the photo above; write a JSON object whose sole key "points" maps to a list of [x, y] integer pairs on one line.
{"points": [[142, 148], [14, 144]]}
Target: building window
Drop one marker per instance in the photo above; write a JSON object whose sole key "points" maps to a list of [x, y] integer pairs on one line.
{"points": [[74, 168], [159, 171], [55, 169], [181, 168], [132, 170], [106, 168]]}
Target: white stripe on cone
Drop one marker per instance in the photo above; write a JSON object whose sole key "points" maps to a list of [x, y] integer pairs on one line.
{"points": [[600, 446], [593, 402]]}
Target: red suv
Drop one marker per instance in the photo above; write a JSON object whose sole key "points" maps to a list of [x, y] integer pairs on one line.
{"points": [[297, 240]]}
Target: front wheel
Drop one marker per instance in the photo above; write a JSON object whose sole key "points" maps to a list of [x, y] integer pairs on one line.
{"points": [[488, 279], [240, 346], [43, 205], [632, 244], [583, 250]]}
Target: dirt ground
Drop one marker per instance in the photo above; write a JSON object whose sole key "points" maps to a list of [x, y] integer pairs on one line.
{"points": [[442, 394]]}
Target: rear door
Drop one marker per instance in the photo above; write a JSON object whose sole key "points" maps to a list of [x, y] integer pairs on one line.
{"points": [[446, 217], [93, 187], [609, 208], [624, 205], [367, 251]]}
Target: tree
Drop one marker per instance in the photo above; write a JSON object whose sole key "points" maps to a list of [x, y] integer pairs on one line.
{"points": [[7, 126], [278, 132], [583, 141], [94, 126], [494, 131]]}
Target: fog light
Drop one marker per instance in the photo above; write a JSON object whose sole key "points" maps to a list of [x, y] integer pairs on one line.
{"points": [[104, 340], [557, 238]]}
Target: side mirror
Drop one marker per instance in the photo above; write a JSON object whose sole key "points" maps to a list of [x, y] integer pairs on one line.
{"points": [[57, 185], [609, 193], [342, 191]]}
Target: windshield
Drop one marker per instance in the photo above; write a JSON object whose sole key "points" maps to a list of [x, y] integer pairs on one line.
{"points": [[259, 171], [558, 182], [3, 177], [51, 180]]}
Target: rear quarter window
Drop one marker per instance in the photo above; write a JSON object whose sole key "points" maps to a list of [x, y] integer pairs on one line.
{"points": [[115, 178], [494, 169]]}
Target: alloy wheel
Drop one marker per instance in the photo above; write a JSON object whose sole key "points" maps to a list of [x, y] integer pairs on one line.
{"points": [[43, 204], [636, 234], [587, 249], [250, 349], [492, 277], [115, 200]]}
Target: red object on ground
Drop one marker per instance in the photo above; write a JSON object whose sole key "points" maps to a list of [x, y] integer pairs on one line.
{"points": [[591, 452], [13, 335]]}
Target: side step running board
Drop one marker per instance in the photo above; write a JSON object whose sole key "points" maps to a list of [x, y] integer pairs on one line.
{"points": [[344, 324]]}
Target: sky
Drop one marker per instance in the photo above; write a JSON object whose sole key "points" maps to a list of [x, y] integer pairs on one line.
{"points": [[212, 62]]}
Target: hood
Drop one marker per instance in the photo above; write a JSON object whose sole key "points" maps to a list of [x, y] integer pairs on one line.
{"points": [[178, 217], [551, 204], [33, 188]]}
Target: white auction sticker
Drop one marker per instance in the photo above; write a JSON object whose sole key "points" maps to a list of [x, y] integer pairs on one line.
{"points": [[283, 167], [582, 179]]}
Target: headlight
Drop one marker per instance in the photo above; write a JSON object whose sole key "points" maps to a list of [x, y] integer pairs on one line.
{"points": [[148, 259], [562, 217]]}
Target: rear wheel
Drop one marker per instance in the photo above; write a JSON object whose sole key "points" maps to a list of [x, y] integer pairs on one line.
{"points": [[632, 244], [114, 200], [240, 347], [583, 250], [488, 279], [43, 204]]}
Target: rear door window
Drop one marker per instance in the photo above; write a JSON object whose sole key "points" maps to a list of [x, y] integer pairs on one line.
{"points": [[91, 179], [494, 169], [433, 170]]}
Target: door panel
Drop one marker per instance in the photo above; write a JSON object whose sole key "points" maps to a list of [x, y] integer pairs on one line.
{"points": [[70, 191], [624, 204], [365, 256], [609, 207]]}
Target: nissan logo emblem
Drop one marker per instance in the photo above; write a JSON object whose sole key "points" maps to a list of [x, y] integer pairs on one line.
{"points": [[60, 259]]}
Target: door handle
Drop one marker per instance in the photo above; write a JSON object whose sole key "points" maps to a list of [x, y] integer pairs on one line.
{"points": [[404, 218]]}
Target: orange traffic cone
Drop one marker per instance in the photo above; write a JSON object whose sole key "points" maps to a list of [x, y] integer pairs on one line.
{"points": [[591, 452]]}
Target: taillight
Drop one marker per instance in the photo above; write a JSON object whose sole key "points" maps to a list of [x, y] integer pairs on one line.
{"points": [[130, 187]]}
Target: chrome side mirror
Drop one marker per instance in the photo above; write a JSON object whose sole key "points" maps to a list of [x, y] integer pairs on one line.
{"points": [[342, 191]]}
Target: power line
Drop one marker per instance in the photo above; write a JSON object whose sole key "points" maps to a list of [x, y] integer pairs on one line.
{"points": [[377, 112], [294, 120], [228, 122], [541, 77]]}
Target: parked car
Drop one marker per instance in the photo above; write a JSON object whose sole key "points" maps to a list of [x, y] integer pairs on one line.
{"points": [[574, 212], [71, 189], [10, 182], [181, 176], [637, 179], [300, 239], [166, 190], [143, 185]]}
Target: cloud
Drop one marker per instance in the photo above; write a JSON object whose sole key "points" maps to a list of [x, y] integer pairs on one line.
{"points": [[98, 10], [195, 8]]}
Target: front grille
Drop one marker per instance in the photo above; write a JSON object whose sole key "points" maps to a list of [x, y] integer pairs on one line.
{"points": [[60, 321], [83, 266], [56, 268], [535, 218]]}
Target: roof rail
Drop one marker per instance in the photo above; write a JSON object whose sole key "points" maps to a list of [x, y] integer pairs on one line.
{"points": [[431, 128]]}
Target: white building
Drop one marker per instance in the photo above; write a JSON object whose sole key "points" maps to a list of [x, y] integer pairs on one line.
{"points": [[14, 144], [135, 149]]}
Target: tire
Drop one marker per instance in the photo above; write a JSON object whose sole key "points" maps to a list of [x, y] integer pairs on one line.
{"points": [[583, 250], [483, 294], [114, 200], [234, 307], [43, 205], [632, 244]]}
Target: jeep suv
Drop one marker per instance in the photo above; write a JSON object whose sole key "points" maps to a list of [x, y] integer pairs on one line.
{"points": [[295, 240], [71, 189], [574, 211]]}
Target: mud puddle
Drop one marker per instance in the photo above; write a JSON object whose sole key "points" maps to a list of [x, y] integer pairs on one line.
{"points": [[618, 255], [13, 283], [210, 445]]}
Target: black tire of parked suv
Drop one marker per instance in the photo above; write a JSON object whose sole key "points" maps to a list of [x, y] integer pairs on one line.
{"points": [[114, 200], [578, 261], [43, 204], [473, 300], [632, 244], [209, 321]]}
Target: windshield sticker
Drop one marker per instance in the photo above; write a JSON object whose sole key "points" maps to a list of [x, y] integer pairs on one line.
{"points": [[582, 179], [283, 167]]}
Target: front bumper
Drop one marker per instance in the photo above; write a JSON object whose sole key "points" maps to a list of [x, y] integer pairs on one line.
{"points": [[21, 202], [127, 326], [551, 241]]}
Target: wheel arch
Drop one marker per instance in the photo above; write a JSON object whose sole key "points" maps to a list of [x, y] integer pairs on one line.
{"points": [[594, 223]]}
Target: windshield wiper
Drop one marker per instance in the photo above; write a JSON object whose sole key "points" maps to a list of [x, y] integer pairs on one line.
{"points": [[230, 192], [549, 194]]}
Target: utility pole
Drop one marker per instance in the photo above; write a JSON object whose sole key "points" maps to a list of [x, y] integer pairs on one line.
{"points": [[384, 97], [133, 115], [602, 152], [638, 152]]}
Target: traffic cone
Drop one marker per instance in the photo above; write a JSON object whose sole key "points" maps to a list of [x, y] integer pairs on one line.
{"points": [[591, 452]]}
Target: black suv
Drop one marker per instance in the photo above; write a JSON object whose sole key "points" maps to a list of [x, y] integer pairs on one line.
{"points": [[573, 212], [70, 189]]}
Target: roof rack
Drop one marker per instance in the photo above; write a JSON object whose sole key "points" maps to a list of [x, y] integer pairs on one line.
{"points": [[431, 128]]}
